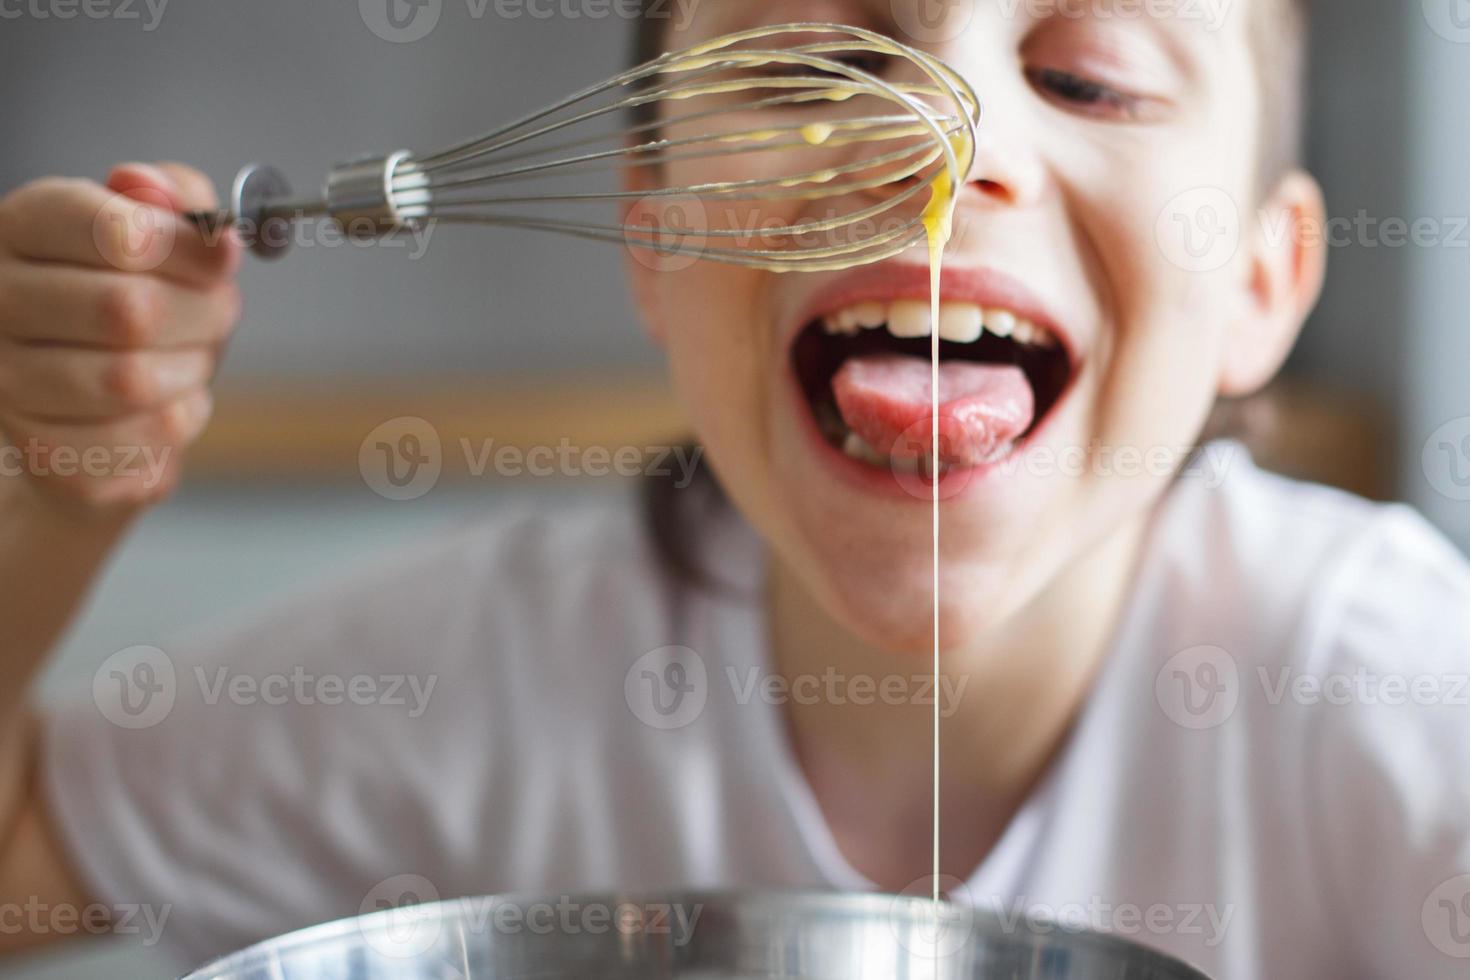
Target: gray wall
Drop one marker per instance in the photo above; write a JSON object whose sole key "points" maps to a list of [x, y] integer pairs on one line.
{"points": [[306, 85], [1388, 138], [1436, 409]]}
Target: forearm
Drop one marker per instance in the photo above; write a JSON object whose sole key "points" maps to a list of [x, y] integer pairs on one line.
{"points": [[49, 557]]}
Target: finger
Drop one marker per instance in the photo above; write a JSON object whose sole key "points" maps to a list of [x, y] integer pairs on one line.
{"points": [[65, 384], [78, 222], [130, 461], [61, 304], [193, 190], [179, 188], [145, 182]]}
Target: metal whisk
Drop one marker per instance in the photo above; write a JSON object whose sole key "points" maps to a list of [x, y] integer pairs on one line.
{"points": [[700, 141]]}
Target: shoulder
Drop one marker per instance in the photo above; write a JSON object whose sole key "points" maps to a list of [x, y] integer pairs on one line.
{"points": [[1351, 636], [1308, 573], [467, 594]]}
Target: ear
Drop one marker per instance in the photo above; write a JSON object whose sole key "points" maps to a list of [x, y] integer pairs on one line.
{"points": [[1288, 262], [632, 213]]}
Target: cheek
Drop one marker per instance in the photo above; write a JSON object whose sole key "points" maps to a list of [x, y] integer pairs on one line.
{"points": [[717, 336], [1160, 373], [1169, 264]]}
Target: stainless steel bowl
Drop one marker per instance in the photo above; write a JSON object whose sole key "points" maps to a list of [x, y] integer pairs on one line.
{"points": [[692, 936]]}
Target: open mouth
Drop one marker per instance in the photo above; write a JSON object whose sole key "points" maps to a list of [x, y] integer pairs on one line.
{"points": [[865, 371]]}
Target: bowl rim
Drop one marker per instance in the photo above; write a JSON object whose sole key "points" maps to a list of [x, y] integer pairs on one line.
{"points": [[984, 922]]}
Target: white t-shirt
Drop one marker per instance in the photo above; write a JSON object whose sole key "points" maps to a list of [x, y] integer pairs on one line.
{"points": [[1271, 777]]}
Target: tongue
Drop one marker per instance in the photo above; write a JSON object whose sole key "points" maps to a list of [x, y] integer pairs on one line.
{"points": [[887, 400]]}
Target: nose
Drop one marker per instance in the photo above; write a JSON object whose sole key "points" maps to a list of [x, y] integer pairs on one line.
{"points": [[1005, 171]]}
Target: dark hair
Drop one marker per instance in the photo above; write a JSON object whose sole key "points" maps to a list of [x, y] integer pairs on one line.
{"points": [[671, 510]]}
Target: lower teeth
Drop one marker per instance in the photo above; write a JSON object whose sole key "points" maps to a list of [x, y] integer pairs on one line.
{"points": [[856, 447], [832, 426]]}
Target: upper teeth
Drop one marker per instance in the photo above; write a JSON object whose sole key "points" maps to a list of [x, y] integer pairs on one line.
{"points": [[962, 323]]}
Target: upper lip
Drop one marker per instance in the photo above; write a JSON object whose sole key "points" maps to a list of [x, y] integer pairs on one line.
{"points": [[981, 285]]}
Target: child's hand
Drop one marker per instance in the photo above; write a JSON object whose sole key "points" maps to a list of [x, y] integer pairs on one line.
{"points": [[113, 314]]}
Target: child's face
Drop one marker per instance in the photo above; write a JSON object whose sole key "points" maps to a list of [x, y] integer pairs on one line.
{"points": [[1097, 117]]}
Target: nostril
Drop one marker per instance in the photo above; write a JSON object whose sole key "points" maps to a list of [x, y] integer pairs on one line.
{"points": [[993, 189]]}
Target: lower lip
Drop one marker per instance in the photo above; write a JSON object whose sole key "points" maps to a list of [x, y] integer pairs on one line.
{"points": [[954, 485]]}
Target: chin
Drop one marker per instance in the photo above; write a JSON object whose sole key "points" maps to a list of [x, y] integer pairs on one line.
{"points": [[887, 600]]}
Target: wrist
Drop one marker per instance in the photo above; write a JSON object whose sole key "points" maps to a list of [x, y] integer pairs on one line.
{"points": [[26, 505]]}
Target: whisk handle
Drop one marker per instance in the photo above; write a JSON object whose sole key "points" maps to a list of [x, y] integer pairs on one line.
{"points": [[360, 196], [258, 207]]}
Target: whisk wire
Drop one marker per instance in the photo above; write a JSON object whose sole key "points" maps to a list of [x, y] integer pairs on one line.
{"points": [[711, 104]]}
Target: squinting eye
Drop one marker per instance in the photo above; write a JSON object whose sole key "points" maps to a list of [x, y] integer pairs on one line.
{"points": [[1093, 98], [872, 62]]}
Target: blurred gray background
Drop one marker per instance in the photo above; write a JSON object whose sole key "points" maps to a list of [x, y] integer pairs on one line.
{"points": [[304, 85]]}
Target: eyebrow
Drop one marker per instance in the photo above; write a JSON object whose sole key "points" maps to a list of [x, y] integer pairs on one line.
{"points": [[875, 13], [1184, 41]]}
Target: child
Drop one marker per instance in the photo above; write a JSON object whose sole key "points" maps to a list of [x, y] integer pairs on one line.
{"points": [[1195, 704]]}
